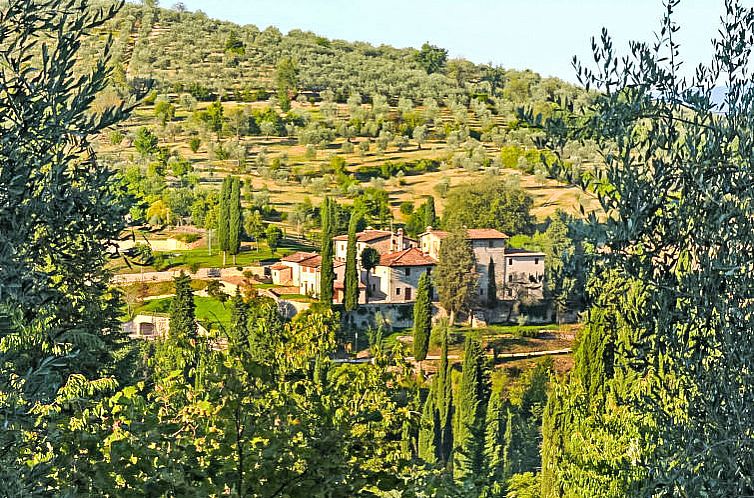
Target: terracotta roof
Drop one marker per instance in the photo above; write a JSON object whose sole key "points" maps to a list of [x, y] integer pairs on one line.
{"points": [[407, 257], [485, 233], [522, 252], [367, 235], [312, 262], [473, 234], [298, 257], [280, 267]]}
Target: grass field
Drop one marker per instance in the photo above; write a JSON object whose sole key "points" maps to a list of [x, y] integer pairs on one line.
{"points": [[209, 311]]}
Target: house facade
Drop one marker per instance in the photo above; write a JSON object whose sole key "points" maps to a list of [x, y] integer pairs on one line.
{"points": [[396, 278], [514, 269]]}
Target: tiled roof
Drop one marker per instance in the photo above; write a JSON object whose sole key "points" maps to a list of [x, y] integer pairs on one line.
{"points": [[522, 252], [473, 234], [408, 257], [485, 233], [313, 261], [280, 267], [367, 235], [298, 257]]}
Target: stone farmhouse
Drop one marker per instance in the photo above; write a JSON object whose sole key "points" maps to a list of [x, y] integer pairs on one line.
{"points": [[517, 273]]}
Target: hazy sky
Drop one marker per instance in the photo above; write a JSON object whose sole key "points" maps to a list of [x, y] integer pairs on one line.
{"points": [[542, 35]]}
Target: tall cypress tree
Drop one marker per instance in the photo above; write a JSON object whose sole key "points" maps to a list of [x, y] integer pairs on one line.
{"points": [[327, 273], [430, 216], [445, 402], [430, 429], [469, 457], [422, 317], [178, 350], [351, 283], [234, 218], [496, 420], [223, 218], [491, 285]]}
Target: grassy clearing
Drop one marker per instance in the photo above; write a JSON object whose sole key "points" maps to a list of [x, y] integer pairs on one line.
{"points": [[209, 311]]}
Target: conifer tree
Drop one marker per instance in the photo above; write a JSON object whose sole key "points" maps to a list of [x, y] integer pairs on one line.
{"points": [[469, 457], [430, 216], [351, 283], [234, 218], [239, 328], [178, 350], [491, 285], [223, 218], [445, 402], [327, 272], [455, 276], [496, 420], [430, 430], [422, 317]]}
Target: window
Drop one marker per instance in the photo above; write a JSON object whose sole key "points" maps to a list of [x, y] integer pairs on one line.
{"points": [[407, 272], [510, 278], [490, 244], [510, 261], [509, 292], [374, 287], [397, 291], [536, 261], [481, 292]]}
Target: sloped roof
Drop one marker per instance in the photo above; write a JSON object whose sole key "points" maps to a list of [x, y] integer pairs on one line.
{"points": [[407, 257], [280, 267], [298, 257], [312, 262], [472, 234], [367, 235]]}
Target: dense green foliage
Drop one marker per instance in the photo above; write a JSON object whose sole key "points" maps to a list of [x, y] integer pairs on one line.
{"points": [[496, 204], [455, 275], [657, 403]]}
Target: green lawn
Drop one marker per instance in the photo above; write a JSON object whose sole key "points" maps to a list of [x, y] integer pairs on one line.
{"points": [[173, 260], [209, 310]]}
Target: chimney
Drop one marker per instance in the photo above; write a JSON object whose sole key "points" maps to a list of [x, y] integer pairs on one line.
{"points": [[399, 239]]}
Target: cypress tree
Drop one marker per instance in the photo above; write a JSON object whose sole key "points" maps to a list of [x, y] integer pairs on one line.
{"points": [[351, 283], [327, 274], [239, 327], [495, 442], [491, 285], [430, 429], [472, 407], [223, 218], [422, 317], [178, 351], [444, 402], [430, 216], [234, 218]]}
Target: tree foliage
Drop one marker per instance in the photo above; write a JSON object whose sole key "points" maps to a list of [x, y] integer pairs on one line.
{"points": [[500, 204]]}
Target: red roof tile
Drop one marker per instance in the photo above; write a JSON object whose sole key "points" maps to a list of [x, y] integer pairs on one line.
{"points": [[280, 267], [298, 257], [312, 262], [408, 257]]}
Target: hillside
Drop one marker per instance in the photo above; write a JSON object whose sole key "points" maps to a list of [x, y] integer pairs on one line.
{"points": [[301, 116]]}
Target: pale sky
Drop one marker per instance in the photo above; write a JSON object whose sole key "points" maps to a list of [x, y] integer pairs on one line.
{"points": [[542, 35]]}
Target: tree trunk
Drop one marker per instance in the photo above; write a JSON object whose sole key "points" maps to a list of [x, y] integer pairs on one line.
{"points": [[366, 294], [225, 257], [452, 318]]}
